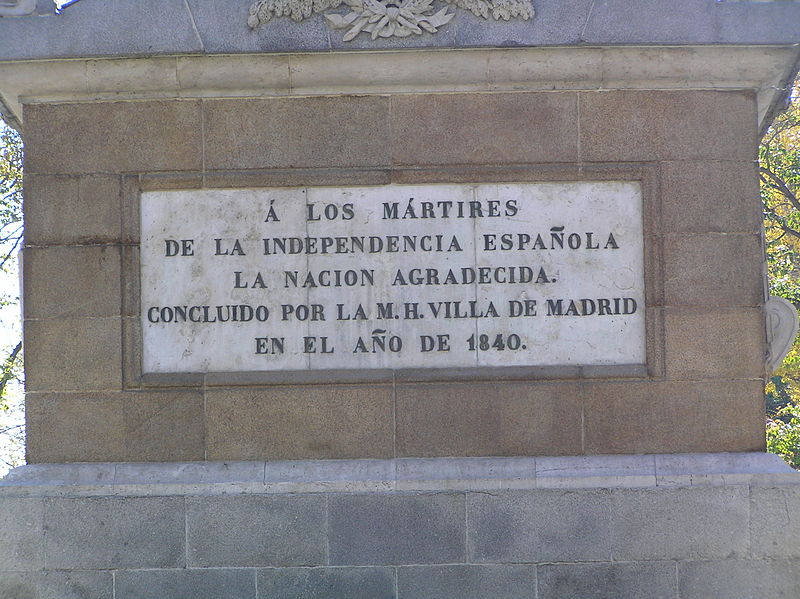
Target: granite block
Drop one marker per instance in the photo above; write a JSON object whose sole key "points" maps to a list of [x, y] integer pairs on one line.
{"points": [[674, 416], [539, 526], [325, 583], [497, 419], [300, 422], [256, 530], [484, 128], [714, 269], [113, 137], [49, 584], [115, 532], [71, 209], [467, 582], [703, 188], [69, 282], [714, 342], [297, 132], [668, 125], [21, 534], [775, 522], [76, 354], [632, 580], [208, 583], [680, 523], [396, 529], [743, 579]]}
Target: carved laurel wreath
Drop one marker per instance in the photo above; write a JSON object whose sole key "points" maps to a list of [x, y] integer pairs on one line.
{"points": [[386, 18]]}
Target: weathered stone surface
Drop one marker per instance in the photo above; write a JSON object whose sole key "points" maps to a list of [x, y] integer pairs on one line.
{"points": [[620, 417], [70, 584], [69, 282], [71, 209], [324, 583], [296, 132], [115, 532], [211, 583], [113, 137], [484, 129], [255, 531], [775, 522], [714, 342], [341, 421], [72, 354], [163, 426], [467, 582], [743, 579], [646, 525], [22, 534], [437, 419], [713, 269], [71, 427], [521, 527], [667, 125], [633, 580], [721, 196], [396, 529]]}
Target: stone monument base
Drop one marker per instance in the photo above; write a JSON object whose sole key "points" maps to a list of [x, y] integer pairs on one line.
{"points": [[690, 526]]}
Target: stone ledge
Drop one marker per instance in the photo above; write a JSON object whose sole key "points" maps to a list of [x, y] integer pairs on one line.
{"points": [[761, 68], [397, 475]]}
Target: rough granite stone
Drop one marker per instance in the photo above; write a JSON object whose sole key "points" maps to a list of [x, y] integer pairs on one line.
{"points": [[115, 532], [632, 580], [743, 579], [467, 582], [775, 522], [21, 534], [326, 583], [521, 527], [383, 529], [70, 584], [255, 531], [208, 583], [680, 523]]}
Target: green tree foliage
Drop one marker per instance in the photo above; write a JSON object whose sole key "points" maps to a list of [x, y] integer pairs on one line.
{"points": [[12, 433], [779, 162]]}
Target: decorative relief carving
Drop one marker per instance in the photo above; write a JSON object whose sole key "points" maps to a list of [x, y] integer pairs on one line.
{"points": [[782, 326], [17, 8], [387, 18]]}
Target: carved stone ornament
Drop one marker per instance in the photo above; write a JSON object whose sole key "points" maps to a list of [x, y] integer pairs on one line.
{"points": [[386, 18], [782, 326], [17, 8]]}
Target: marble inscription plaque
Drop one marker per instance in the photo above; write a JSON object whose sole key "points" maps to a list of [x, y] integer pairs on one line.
{"points": [[392, 277]]}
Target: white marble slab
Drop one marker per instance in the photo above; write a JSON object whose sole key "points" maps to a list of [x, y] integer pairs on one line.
{"points": [[363, 278]]}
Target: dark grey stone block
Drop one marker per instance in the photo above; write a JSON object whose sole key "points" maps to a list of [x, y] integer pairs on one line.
{"points": [[114, 532], [650, 21], [632, 580], [325, 583], [211, 583], [775, 521], [102, 28], [554, 23], [467, 582], [541, 525], [223, 28], [396, 529], [256, 530], [742, 579], [56, 585], [21, 521], [772, 22], [680, 523]]}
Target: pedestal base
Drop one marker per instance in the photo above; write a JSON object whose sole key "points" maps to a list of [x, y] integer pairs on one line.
{"points": [[688, 526]]}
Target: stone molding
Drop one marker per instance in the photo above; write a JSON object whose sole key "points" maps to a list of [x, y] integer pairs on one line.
{"points": [[398, 475], [782, 327], [430, 71]]}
